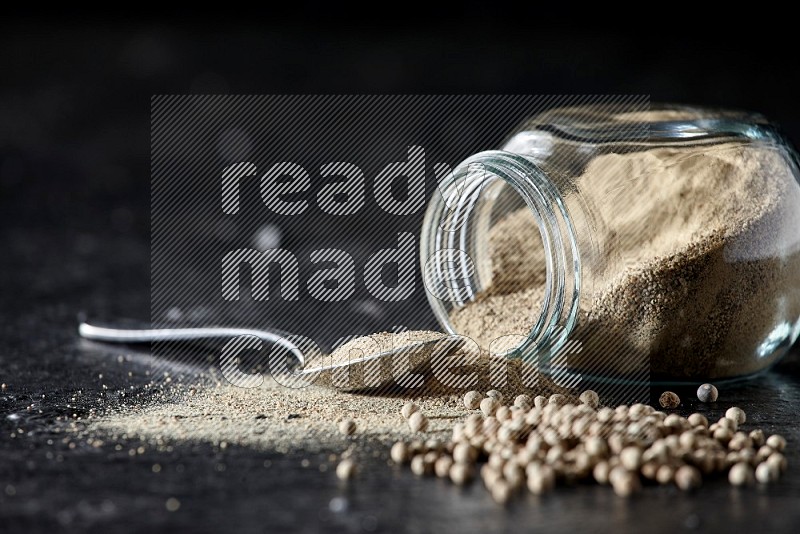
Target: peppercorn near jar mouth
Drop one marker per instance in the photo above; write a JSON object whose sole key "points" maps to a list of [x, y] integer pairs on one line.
{"points": [[456, 262]]}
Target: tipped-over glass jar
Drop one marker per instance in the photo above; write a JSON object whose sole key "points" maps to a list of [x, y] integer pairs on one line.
{"points": [[624, 244]]}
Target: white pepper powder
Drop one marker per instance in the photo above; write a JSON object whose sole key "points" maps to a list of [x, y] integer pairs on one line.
{"points": [[675, 248]]}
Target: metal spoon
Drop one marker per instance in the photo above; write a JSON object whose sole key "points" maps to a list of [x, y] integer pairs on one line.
{"points": [[114, 334]]}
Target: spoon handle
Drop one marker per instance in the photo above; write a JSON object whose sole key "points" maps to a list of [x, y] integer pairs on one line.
{"points": [[109, 334]]}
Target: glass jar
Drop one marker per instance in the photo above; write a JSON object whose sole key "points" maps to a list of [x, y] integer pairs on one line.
{"points": [[661, 244]]}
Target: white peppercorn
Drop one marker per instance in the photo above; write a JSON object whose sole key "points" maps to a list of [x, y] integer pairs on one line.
{"points": [[489, 406], [542, 480], [461, 474], [490, 426], [601, 472], [489, 475], [496, 395], [472, 400], [698, 419], [741, 474], [687, 440], [347, 427], [737, 414], [523, 402], [778, 461], [465, 453], [346, 469], [473, 425], [740, 441], [430, 458], [707, 393], [442, 466], [399, 453], [503, 413], [665, 474], [496, 461], [624, 482], [416, 446], [649, 470], [501, 491], [748, 455], [766, 473], [418, 465], [777, 442], [688, 478], [728, 423], [723, 435], [408, 409], [540, 401], [758, 438], [596, 446], [418, 422], [590, 399], [764, 452], [513, 474], [631, 458]]}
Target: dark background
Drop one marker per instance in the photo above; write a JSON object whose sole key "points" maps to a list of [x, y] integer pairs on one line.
{"points": [[74, 205]]}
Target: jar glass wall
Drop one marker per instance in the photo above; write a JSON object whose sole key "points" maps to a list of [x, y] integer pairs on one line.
{"points": [[662, 244]]}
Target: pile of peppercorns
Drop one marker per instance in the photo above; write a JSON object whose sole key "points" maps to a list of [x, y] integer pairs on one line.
{"points": [[539, 442]]}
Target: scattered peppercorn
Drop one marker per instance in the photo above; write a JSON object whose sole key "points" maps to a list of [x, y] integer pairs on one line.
{"points": [[347, 427], [472, 400], [408, 409], [698, 419], [418, 422], [494, 394], [707, 393], [778, 461], [741, 474], [536, 443], [418, 466], [669, 399], [441, 467], [688, 477], [461, 474], [624, 482], [489, 406], [346, 469], [399, 453], [523, 402], [590, 398], [757, 436], [776, 442], [766, 473], [665, 474], [736, 414]]}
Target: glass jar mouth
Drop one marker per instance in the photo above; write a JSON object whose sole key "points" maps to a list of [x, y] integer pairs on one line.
{"points": [[660, 124], [455, 221]]}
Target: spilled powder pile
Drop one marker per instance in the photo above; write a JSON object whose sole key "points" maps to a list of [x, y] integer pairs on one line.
{"points": [[691, 273], [295, 412], [271, 417], [419, 363]]}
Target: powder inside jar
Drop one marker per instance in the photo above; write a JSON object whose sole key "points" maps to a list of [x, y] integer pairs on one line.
{"points": [[692, 267]]}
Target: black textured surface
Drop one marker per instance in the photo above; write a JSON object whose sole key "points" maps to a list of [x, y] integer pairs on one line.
{"points": [[74, 149], [46, 484]]}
